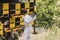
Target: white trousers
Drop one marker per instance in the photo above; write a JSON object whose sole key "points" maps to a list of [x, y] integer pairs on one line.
{"points": [[27, 33]]}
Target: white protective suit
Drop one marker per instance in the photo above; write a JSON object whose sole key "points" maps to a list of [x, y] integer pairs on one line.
{"points": [[34, 18], [24, 0], [28, 27]]}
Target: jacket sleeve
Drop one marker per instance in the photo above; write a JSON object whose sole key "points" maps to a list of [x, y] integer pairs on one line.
{"points": [[34, 18]]}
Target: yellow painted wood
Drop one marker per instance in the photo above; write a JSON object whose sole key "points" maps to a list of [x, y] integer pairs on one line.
{"points": [[17, 8], [27, 6], [21, 19], [5, 8], [34, 8], [28, 11], [1, 28], [21, 23], [12, 25], [7, 30], [16, 16], [12, 22]]}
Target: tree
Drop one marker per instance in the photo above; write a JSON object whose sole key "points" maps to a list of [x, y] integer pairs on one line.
{"points": [[45, 12]]}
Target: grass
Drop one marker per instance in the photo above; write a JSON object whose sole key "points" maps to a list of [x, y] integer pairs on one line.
{"points": [[50, 34]]}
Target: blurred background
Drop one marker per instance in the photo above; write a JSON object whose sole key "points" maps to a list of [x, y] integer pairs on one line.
{"points": [[48, 12], [48, 20]]}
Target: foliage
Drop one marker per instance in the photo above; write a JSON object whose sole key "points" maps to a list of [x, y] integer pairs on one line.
{"points": [[46, 12]]}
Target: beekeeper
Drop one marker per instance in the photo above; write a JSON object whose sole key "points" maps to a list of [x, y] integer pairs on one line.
{"points": [[27, 30], [24, 0], [34, 22]]}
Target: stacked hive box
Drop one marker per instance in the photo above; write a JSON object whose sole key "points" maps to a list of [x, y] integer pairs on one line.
{"points": [[10, 15]]}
